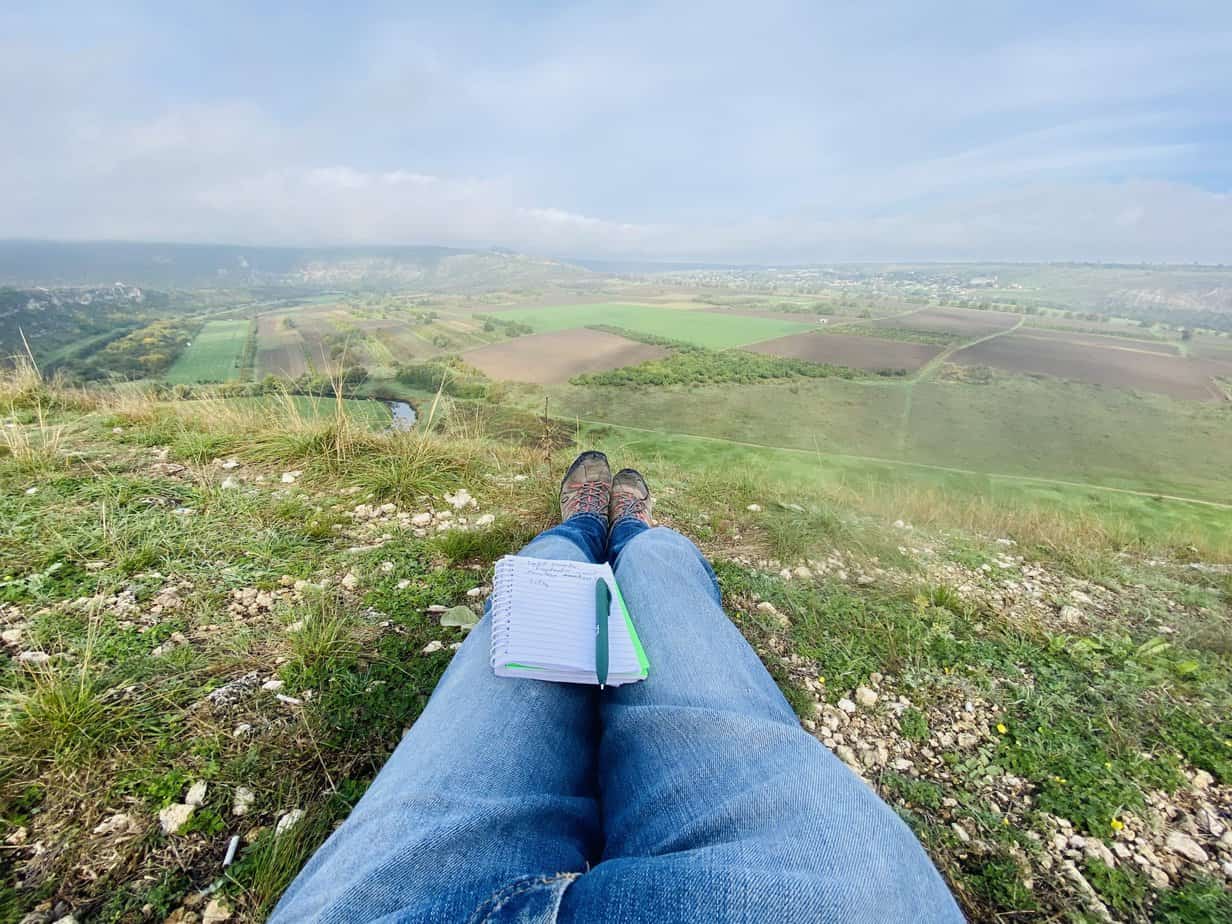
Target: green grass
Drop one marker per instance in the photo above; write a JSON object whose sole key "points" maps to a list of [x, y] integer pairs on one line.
{"points": [[214, 355], [714, 331], [1017, 426]]}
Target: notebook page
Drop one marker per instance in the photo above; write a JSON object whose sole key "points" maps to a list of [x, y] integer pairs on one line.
{"points": [[548, 619]]}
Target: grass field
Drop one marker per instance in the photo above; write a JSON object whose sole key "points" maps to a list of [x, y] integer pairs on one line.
{"points": [[213, 356], [711, 330], [1013, 426]]}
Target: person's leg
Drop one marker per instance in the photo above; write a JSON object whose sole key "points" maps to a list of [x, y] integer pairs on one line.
{"points": [[488, 801], [716, 804]]}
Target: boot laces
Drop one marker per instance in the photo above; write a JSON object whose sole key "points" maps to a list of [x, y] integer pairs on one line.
{"points": [[630, 505], [590, 496]]}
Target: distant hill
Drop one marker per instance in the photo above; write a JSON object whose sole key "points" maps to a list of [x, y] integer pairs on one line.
{"points": [[196, 266]]}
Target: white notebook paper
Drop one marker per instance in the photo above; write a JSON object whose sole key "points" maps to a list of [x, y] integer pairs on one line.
{"points": [[543, 623]]}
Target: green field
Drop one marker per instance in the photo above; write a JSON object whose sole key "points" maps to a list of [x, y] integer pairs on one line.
{"points": [[715, 331], [374, 413], [1018, 426], [213, 356]]}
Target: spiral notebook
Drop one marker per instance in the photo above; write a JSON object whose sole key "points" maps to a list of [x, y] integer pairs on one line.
{"points": [[543, 623]]}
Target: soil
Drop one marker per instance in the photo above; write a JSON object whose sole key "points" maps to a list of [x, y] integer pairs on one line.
{"points": [[1117, 367], [548, 359], [851, 350]]}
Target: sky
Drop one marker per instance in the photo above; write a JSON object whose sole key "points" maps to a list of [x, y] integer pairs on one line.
{"points": [[774, 132]]}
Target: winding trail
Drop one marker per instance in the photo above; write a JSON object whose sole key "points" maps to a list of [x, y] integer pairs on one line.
{"points": [[926, 371]]}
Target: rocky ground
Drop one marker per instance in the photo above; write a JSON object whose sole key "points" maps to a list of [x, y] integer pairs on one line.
{"points": [[209, 654]]}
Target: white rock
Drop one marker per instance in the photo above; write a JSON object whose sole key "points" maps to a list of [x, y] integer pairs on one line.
{"points": [[902, 763], [961, 832], [1186, 846], [10, 636], [967, 740], [766, 607], [229, 483], [288, 821], [273, 686], [486, 520], [386, 567], [847, 756], [216, 912], [403, 584], [475, 592], [291, 477], [865, 697], [196, 793], [350, 581], [753, 508], [241, 730], [803, 572], [1202, 779], [1071, 615], [846, 705], [116, 824], [421, 519], [459, 499], [31, 491], [244, 797], [230, 464], [433, 646], [174, 817], [34, 657]]}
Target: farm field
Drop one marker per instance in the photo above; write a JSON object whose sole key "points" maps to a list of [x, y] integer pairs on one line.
{"points": [[852, 350], [961, 322], [1113, 367], [717, 332], [1018, 426], [1101, 341], [214, 355], [558, 356], [800, 317], [280, 348]]}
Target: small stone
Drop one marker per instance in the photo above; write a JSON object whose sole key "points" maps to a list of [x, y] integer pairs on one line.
{"points": [[196, 793], [846, 705], [967, 740], [1071, 615], [901, 764], [421, 519], [1202, 779], [803, 573], [475, 592], [865, 697], [291, 477], [433, 646], [216, 912], [403, 584], [31, 491], [241, 730], [288, 821], [116, 824], [273, 686], [766, 607], [11, 636], [486, 520], [753, 508], [961, 832], [35, 658], [229, 483], [350, 581], [847, 756], [174, 817], [459, 499], [242, 801], [1186, 846]]}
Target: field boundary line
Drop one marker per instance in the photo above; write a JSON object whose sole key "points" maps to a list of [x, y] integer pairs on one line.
{"points": [[1037, 479]]}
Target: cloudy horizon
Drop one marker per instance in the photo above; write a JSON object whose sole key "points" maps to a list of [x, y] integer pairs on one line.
{"points": [[807, 133]]}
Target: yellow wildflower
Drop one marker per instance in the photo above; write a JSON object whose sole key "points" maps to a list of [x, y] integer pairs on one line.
{"points": [[1001, 729], [1117, 824]]}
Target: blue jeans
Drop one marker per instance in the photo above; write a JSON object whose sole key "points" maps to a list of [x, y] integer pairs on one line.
{"points": [[694, 795]]}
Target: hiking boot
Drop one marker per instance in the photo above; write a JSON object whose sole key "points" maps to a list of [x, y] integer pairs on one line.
{"points": [[587, 486], [630, 497]]}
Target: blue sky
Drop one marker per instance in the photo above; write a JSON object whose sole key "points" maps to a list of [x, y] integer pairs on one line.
{"points": [[768, 132]]}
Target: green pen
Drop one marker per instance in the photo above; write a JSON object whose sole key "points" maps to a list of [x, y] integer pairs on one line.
{"points": [[603, 606]]}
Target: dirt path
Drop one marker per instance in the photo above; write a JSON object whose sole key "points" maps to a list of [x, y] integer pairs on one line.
{"points": [[930, 367]]}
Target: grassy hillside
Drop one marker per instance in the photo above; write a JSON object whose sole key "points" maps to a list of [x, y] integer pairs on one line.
{"points": [[216, 624]]}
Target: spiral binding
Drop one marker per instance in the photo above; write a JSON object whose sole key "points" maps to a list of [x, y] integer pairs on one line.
{"points": [[502, 609]]}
